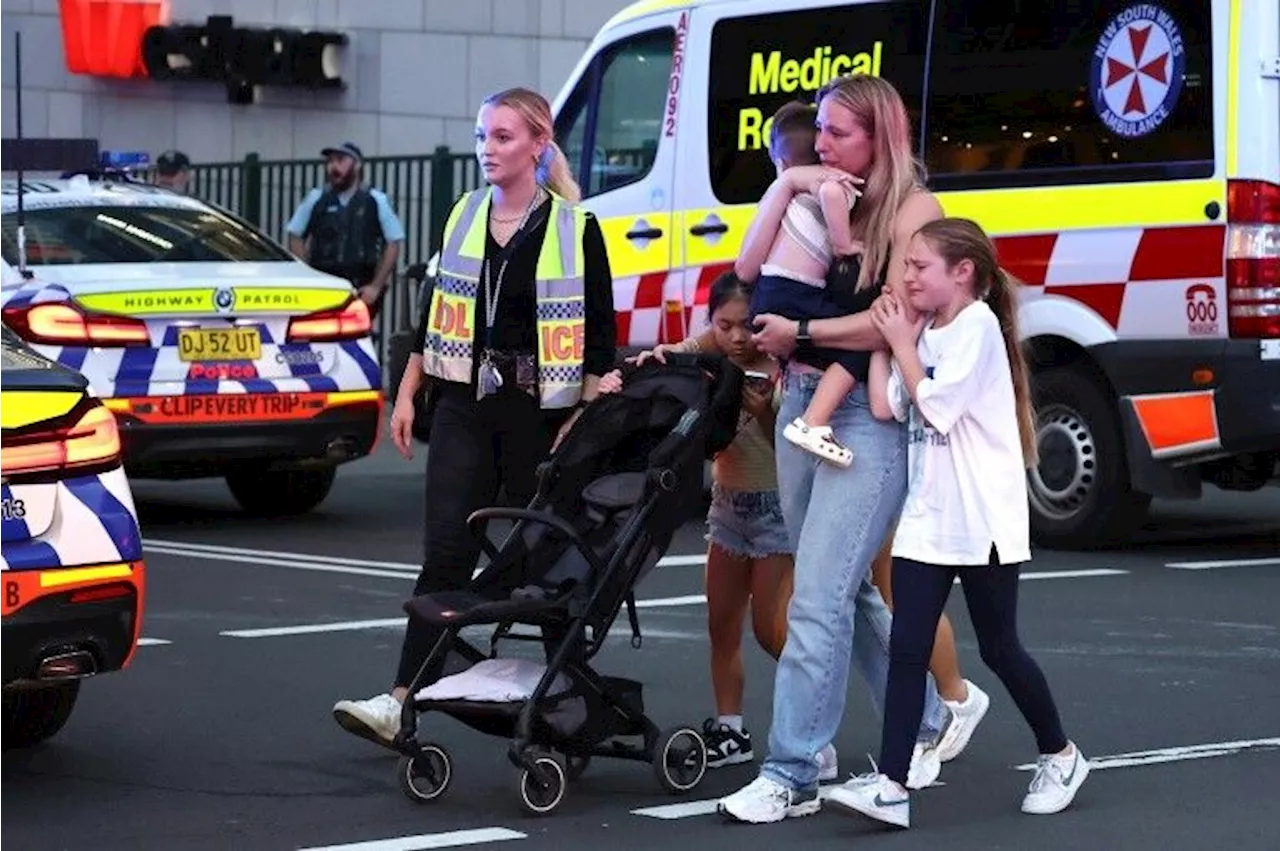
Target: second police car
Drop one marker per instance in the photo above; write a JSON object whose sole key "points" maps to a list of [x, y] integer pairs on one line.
{"points": [[220, 352]]}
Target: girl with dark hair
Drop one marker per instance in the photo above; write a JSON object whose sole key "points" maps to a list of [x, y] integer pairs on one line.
{"points": [[958, 379], [749, 563]]}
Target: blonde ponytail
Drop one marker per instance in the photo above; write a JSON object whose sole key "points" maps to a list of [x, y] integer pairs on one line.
{"points": [[555, 173]]}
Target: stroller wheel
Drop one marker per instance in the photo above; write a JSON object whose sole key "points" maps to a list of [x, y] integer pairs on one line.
{"points": [[680, 759], [425, 776], [543, 788]]}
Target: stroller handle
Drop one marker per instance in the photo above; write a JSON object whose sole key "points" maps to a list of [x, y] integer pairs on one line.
{"points": [[481, 517]]}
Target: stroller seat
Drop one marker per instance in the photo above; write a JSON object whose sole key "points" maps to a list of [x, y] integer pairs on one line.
{"points": [[607, 500]]}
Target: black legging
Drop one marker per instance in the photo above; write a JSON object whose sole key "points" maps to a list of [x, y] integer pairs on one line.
{"points": [[476, 448], [920, 593]]}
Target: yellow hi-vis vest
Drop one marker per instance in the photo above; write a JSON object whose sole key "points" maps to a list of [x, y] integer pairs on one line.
{"points": [[560, 286]]}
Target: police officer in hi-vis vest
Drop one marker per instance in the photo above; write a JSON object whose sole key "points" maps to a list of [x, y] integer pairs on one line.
{"points": [[348, 229], [513, 340]]}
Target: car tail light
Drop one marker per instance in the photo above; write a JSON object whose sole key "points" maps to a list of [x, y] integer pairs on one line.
{"points": [[349, 322], [1253, 259], [93, 441], [64, 324]]}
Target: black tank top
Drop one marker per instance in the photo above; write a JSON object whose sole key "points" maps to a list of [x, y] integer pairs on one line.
{"points": [[851, 301]]}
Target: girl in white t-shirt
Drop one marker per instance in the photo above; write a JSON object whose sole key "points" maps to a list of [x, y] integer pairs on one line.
{"points": [[958, 378]]}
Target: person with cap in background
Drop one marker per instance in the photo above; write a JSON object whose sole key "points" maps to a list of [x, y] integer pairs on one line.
{"points": [[173, 172], [348, 229]]}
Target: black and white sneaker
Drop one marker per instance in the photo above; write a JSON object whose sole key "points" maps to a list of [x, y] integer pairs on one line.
{"points": [[725, 745]]}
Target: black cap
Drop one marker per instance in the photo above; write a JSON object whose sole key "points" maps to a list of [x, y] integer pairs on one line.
{"points": [[172, 162], [346, 149]]}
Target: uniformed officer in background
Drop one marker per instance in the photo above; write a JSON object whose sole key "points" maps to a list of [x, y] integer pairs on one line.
{"points": [[173, 172], [348, 229]]}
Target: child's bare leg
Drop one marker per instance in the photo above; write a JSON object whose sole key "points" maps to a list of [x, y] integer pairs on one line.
{"points": [[812, 431], [836, 383]]}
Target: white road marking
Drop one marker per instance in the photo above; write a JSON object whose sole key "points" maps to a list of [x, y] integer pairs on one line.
{"points": [[312, 628], [424, 841], [692, 809], [1211, 565], [153, 642], [326, 564], [1177, 754]]}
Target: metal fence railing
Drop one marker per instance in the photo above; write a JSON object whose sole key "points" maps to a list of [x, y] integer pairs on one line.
{"points": [[421, 188]]}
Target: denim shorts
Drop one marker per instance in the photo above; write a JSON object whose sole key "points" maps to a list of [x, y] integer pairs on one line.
{"points": [[747, 524]]}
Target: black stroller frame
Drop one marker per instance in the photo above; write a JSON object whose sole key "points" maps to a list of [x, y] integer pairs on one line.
{"points": [[553, 737]]}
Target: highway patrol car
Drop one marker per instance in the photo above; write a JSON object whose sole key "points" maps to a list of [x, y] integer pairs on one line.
{"points": [[220, 352], [71, 552], [1125, 156]]}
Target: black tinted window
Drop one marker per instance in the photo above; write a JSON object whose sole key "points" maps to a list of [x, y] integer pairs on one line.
{"points": [[761, 62], [128, 234], [1042, 92]]}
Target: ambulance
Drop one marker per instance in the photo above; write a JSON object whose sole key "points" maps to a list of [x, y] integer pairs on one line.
{"points": [[1124, 155], [219, 352]]}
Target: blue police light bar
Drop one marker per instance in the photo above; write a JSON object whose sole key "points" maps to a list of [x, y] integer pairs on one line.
{"points": [[124, 159]]}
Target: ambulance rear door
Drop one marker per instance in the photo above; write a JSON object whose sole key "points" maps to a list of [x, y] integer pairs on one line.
{"points": [[611, 121], [744, 60]]}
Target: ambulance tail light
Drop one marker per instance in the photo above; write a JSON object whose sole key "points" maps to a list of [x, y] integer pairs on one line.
{"points": [[92, 442], [350, 322], [63, 324], [1253, 259]]}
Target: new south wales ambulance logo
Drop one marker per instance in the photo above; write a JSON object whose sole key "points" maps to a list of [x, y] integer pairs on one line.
{"points": [[1137, 70]]}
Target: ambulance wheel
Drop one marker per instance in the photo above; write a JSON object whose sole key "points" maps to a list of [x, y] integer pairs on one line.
{"points": [[543, 788], [33, 715], [425, 775], [680, 759], [1080, 492], [278, 493]]}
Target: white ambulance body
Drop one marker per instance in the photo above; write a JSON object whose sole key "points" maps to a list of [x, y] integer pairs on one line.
{"points": [[1125, 156]]}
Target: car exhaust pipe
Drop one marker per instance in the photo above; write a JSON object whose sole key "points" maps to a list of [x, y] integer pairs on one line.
{"points": [[67, 666]]}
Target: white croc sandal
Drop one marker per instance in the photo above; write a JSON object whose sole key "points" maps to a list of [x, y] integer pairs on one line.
{"points": [[818, 440]]}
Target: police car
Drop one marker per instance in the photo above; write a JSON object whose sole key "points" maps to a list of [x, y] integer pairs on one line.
{"points": [[220, 353], [71, 555]]}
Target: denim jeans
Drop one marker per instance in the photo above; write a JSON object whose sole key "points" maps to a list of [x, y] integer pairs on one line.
{"points": [[837, 520]]}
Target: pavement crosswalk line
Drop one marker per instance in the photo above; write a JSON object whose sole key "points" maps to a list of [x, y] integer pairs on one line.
{"points": [[422, 842]]}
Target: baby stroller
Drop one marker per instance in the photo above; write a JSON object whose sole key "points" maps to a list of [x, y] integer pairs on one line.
{"points": [[608, 502]]}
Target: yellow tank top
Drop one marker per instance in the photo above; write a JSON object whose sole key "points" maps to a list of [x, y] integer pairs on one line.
{"points": [[749, 464]]}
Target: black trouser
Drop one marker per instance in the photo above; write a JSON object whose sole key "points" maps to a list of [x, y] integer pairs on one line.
{"points": [[476, 448], [920, 593]]}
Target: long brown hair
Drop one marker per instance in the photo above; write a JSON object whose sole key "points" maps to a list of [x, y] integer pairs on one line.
{"points": [[553, 169], [956, 239], [895, 170]]}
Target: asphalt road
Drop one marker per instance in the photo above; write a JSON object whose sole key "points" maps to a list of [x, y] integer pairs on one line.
{"points": [[1165, 658]]}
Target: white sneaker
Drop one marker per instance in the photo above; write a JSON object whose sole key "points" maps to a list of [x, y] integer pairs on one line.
{"points": [[818, 440], [828, 764], [876, 796], [925, 766], [763, 801], [376, 719], [965, 718], [1056, 781]]}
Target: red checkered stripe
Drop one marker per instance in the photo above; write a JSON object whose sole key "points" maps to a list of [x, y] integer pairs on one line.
{"points": [[1135, 279], [640, 304]]}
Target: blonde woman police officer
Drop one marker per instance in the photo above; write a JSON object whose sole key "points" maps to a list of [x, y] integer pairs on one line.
{"points": [[515, 337]]}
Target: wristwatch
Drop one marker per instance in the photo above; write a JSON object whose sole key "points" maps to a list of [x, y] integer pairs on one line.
{"points": [[802, 332]]}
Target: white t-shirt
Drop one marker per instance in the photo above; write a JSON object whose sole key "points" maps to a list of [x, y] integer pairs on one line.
{"points": [[967, 483]]}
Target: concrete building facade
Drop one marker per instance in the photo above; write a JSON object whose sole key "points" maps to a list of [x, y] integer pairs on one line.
{"points": [[415, 72]]}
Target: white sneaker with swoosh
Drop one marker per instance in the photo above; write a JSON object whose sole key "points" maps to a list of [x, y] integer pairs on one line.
{"points": [[1057, 779], [875, 796]]}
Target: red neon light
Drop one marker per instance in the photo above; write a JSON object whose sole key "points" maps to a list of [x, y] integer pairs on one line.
{"points": [[104, 37]]}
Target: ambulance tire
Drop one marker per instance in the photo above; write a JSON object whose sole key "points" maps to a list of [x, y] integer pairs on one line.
{"points": [[280, 493], [34, 715], [1081, 496]]}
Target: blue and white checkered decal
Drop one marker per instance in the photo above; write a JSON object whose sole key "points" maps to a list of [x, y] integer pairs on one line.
{"points": [[86, 520]]}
